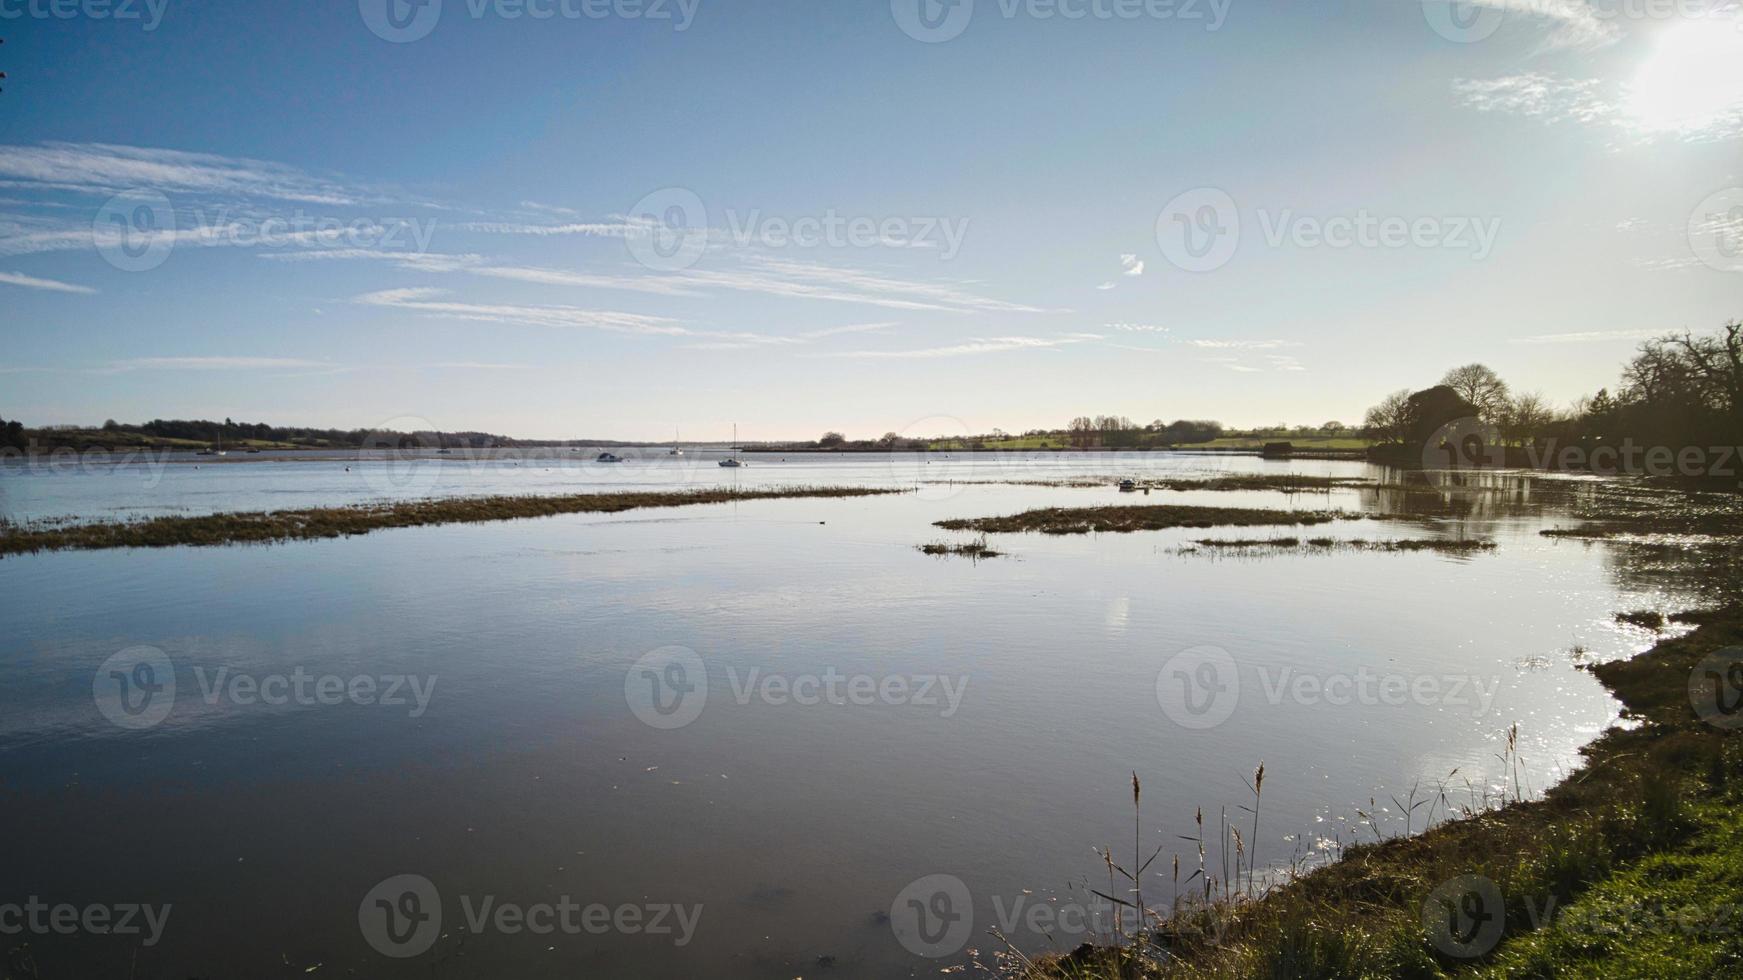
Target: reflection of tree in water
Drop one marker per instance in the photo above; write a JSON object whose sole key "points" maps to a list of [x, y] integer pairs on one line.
{"points": [[1477, 497]]}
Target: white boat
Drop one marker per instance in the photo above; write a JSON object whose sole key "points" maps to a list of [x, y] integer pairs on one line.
{"points": [[676, 450], [733, 461]]}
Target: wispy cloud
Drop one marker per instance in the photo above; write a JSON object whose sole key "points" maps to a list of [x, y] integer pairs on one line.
{"points": [[1243, 344], [1574, 24], [425, 301], [1538, 95], [1137, 328], [978, 345], [211, 364], [32, 282], [786, 277], [104, 168], [1132, 265], [1588, 336]]}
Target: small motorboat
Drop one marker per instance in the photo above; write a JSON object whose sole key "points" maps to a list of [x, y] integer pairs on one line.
{"points": [[608, 458], [1127, 486], [732, 461]]}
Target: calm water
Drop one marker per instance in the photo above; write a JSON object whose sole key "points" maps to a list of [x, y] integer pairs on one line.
{"points": [[1009, 701]]}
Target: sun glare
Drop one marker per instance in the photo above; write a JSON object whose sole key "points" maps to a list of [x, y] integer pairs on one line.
{"points": [[1694, 78]]}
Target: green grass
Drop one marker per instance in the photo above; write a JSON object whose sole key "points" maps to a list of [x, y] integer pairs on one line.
{"points": [[333, 522], [1120, 520]]}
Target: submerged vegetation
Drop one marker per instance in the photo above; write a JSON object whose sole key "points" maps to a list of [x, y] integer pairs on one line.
{"points": [[1120, 520], [1453, 546], [976, 549], [332, 522]]}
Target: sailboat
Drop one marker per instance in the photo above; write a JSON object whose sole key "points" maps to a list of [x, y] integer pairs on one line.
{"points": [[733, 461], [675, 450]]}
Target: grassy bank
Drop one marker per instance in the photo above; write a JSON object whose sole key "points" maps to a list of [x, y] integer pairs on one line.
{"points": [[333, 522], [1631, 867], [1083, 520]]}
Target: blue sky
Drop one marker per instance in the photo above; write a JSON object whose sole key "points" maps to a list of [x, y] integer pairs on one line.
{"points": [[635, 216]]}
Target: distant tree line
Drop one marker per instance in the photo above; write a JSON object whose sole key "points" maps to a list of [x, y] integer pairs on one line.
{"points": [[12, 435]]}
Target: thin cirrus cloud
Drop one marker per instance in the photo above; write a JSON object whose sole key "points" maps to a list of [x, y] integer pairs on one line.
{"points": [[977, 345], [106, 168], [1567, 24], [34, 282], [1132, 265], [1588, 337]]}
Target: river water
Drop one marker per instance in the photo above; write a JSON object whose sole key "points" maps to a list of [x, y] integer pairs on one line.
{"points": [[735, 737]]}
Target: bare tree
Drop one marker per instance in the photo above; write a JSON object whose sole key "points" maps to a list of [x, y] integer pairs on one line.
{"points": [[1389, 421], [1527, 415], [1480, 386]]}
